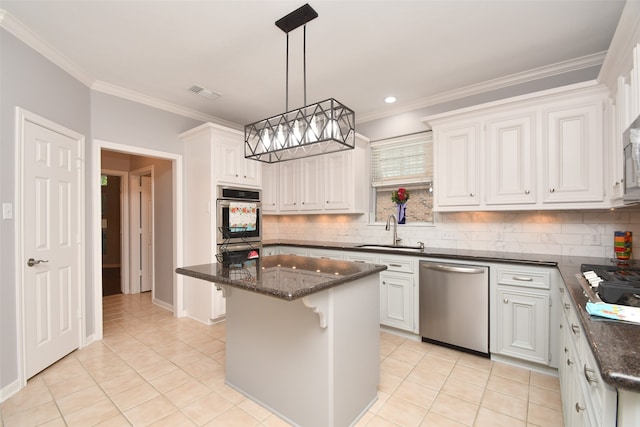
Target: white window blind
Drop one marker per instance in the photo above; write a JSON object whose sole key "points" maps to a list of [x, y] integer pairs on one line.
{"points": [[402, 160]]}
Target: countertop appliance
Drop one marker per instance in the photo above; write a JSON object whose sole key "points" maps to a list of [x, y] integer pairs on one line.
{"points": [[614, 284], [454, 306]]}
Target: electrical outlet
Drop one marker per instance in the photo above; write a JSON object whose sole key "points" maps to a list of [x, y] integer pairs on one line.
{"points": [[7, 211]]}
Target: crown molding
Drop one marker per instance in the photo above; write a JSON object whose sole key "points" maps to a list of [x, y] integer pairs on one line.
{"points": [[619, 58], [489, 85], [37, 43], [120, 92]]}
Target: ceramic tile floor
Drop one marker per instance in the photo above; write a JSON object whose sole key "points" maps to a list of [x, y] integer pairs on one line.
{"points": [[154, 369]]}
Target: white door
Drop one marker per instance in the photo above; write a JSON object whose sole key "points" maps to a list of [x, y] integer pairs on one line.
{"points": [[146, 234], [52, 241]]}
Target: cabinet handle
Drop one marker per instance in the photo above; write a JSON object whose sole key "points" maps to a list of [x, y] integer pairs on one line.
{"points": [[579, 408], [552, 190], [236, 175], [575, 329], [506, 300], [526, 191], [567, 306], [566, 350], [523, 279], [471, 194], [395, 265], [358, 260], [561, 290], [589, 374], [384, 283], [569, 362]]}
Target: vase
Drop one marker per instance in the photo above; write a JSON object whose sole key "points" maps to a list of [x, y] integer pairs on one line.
{"points": [[402, 210]]}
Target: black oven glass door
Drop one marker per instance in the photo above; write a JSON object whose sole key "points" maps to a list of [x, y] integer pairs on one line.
{"points": [[228, 234]]}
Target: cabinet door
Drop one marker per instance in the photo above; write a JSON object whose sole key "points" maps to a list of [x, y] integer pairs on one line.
{"points": [[233, 167], [288, 195], [218, 303], [270, 188], [510, 160], [523, 324], [312, 189], [338, 181], [396, 300], [573, 154], [457, 166]]}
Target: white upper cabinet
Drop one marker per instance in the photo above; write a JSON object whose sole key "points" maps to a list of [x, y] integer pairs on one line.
{"points": [[539, 151], [270, 190], [511, 159], [233, 168], [457, 165], [328, 183], [573, 152]]}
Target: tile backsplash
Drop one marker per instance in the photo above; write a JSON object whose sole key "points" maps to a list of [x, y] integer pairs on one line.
{"points": [[577, 233]]}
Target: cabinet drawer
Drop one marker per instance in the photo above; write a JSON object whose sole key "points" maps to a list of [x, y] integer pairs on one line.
{"points": [[524, 278], [401, 264], [360, 257]]}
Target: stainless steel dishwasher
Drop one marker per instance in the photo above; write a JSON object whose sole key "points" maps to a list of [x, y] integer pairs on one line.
{"points": [[454, 305]]}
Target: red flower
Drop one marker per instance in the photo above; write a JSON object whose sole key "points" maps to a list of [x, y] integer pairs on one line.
{"points": [[401, 196]]}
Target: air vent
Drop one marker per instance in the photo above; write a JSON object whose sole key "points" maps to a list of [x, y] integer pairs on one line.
{"points": [[204, 92]]}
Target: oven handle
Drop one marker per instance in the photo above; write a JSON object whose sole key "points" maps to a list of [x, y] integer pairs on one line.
{"points": [[235, 247], [225, 203]]}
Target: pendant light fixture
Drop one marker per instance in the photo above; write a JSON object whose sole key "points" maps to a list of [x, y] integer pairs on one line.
{"points": [[324, 127]]}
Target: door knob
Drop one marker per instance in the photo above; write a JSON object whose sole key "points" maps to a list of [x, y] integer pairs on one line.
{"points": [[31, 262]]}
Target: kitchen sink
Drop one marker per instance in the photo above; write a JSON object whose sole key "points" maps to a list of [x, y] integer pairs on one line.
{"points": [[393, 248]]}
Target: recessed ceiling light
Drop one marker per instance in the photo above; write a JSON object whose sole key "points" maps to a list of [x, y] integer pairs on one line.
{"points": [[204, 92], [390, 99]]}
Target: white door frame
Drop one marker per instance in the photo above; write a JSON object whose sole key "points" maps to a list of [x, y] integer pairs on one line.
{"points": [[23, 116], [178, 190], [124, 226], [135, 251]]}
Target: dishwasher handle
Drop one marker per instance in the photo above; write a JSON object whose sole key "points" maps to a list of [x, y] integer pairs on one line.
{"points": [[454, 269]]}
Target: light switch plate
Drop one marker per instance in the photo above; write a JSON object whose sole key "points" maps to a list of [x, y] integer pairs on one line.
{"points": [[7, 211]]}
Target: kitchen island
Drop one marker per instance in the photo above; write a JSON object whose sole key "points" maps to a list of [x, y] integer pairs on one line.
{"points": [[302, 335]]}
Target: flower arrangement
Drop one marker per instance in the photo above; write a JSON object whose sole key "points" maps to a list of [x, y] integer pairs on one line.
{"points": [[400, 197]]}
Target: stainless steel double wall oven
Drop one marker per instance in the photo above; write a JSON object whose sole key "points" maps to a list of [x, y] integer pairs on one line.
{"points": [[239, 224]]}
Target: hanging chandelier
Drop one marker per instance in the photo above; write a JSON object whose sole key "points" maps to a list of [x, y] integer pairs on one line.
{"points": [[324, 127]]}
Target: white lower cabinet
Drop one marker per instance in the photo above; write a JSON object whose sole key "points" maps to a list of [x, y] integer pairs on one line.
{"points": [[399, 293], [396, 292], [524, 324], [586, 399], [523, 319]]}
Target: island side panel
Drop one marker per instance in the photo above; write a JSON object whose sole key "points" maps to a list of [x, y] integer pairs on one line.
{"points": [[277, 355], [356, 321]]}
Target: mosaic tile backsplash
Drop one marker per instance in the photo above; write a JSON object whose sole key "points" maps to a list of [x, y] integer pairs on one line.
{"points": [[576, 233]]}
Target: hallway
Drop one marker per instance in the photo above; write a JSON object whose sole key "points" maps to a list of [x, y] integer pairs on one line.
{"points": [[154, 369]]}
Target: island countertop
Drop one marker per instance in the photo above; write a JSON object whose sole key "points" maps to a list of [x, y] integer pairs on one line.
{"points": [[287, 277]]}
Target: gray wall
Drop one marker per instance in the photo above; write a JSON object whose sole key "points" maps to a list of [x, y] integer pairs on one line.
{"points": [[30, 81]]}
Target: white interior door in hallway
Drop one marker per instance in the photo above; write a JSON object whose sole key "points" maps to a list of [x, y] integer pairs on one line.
{"points": [[51, 231], [146, 234], [142, 253]]}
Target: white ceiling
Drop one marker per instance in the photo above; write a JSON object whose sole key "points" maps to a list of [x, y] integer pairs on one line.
{"points": [[358, 51]]}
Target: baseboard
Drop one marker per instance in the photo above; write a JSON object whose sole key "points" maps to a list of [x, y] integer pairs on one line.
{"points": [[162, 304], [90, 340], [10, 390]]}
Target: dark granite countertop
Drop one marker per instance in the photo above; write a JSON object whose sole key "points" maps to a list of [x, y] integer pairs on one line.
{"points": [[462, 254], [283, 276], [615, 345]]}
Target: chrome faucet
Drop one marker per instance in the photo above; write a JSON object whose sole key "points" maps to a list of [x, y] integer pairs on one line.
{"points": [[396, 240]]}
